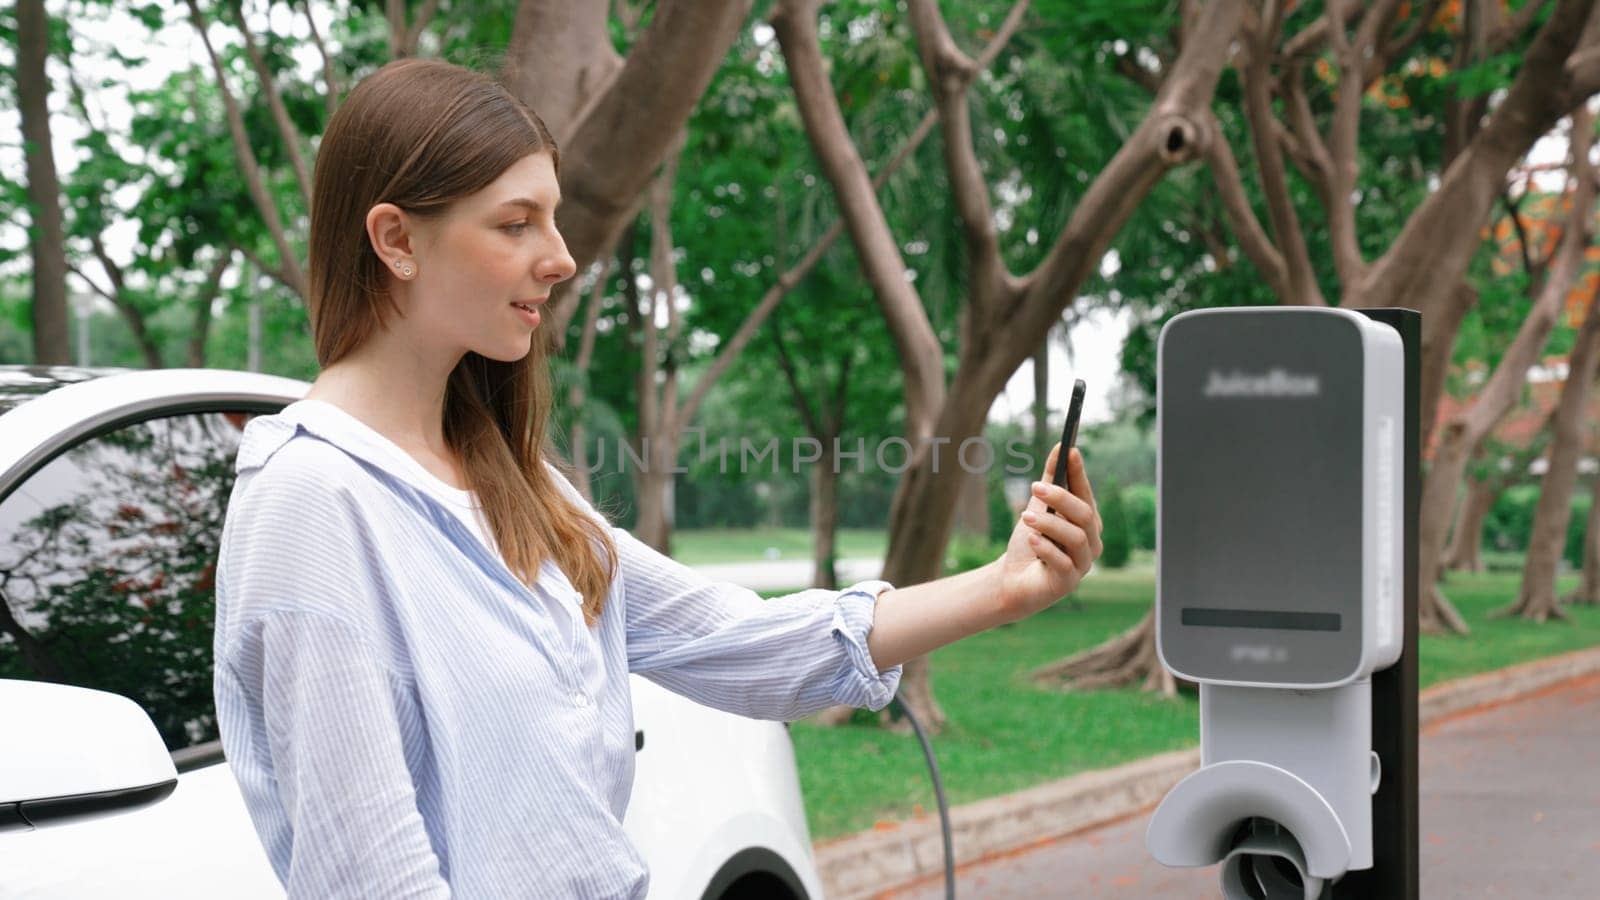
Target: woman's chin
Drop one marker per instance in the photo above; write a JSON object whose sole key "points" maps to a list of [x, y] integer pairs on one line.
{"points": [[509, 351]]}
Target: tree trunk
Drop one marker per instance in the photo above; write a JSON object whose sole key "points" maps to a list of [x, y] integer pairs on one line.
{"points": [[1462, 434], [1128, 658], [972, 509], [577, 445], [51, 338], [660, 423], [1588, 590], [1466, 541], [824, 517], [653, 485], [622, 133], [1439, 333], [1536, 599], [1435, 613], [1043, 440]]}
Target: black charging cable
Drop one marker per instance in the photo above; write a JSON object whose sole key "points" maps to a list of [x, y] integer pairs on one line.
{"points": [[938, 792]]}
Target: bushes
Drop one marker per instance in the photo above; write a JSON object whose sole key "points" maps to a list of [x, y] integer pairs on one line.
{"points": [[1115, 531], [1510, 522], [1140, 502]]}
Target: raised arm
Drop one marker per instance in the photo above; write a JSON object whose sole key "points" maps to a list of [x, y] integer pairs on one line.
{"points": [[724, 646]]}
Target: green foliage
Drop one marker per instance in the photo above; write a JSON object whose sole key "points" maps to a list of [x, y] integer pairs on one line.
{"points": [[1510, 522], [968, 552], [1139, 503], [1002, 518], [16, 328], [1115, 534]]}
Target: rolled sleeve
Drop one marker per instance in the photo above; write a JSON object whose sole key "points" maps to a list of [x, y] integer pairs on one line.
{"points": [[722, 645], [860, 682]]}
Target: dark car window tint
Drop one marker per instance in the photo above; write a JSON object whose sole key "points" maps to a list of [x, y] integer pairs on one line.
{"points": [[107, 567]]}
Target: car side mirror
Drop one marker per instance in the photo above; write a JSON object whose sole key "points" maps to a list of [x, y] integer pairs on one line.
{"points": [[70, 753]]}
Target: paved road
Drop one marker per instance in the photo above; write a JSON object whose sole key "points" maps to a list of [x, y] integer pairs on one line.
{"points": [[1510, 801]]}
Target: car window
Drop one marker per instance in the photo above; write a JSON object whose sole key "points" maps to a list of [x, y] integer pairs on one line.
{"points": [[107, 567]]}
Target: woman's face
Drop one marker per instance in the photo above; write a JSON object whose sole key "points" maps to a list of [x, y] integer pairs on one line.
{"points": [[485, 268]]}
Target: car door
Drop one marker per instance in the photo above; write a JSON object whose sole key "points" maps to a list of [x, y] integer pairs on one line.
{"points": [[107, 563]]}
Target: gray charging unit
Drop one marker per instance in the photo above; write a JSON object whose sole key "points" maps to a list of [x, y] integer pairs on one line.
{"points": [[1281, 586]]}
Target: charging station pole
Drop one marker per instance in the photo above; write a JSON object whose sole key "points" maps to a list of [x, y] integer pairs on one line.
{"points": [[1393, 875]]}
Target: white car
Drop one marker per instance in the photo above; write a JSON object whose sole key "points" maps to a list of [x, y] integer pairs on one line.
{"points": [[113, 487]]}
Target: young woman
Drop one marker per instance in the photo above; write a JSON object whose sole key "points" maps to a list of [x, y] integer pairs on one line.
{"points": [[423, 631]]}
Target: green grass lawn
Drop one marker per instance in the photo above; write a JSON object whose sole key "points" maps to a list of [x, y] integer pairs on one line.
{"points": [[1005, 734], [724, 545]]}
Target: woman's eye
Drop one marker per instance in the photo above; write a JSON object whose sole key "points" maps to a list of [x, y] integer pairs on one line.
{"points": [[515, 227]]}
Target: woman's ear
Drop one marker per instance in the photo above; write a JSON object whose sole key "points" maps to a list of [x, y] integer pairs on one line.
{"points": [[389, 230]]}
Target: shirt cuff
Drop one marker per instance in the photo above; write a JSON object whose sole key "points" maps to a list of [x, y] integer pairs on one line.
{"points": [[859, 683]]}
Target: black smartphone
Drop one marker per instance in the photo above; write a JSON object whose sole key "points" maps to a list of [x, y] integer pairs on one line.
{"points": [[1069, 437], [1069, 431]]}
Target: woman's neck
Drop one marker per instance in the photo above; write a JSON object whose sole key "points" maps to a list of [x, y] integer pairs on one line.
{"points": [[400, 395]]}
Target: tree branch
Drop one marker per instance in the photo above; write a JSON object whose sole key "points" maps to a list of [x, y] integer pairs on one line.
{"points": [[280, 116], [1313, 36], [1357, 61], [419, 24], [330, 83], [251, 170], [792, 376], [273, 272], [1420, 21], [1514, 25], [1432, 251], [118, 295], [1247, 228], [921, 355], [201, 329], [561, 59], [1584, 66], [950, 73], [1175, 130], [617, 146], [792, 277], [1285, 222], [395, 14], [1224, 169], [1514, 207]]}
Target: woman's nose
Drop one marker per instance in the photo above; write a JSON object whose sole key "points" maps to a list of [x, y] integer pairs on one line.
{"points": [[556, 265]]}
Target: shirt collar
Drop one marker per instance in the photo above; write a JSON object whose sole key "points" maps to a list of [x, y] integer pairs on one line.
{"points": [[266, 435]]}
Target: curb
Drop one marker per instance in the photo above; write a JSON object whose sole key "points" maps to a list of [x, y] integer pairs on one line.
{"points": [[867, 863]]}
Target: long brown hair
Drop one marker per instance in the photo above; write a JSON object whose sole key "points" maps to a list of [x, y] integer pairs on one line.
{"points": [[422, 134]]}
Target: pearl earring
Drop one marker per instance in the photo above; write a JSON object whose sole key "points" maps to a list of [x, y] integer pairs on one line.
{"points": [[405, 269]]}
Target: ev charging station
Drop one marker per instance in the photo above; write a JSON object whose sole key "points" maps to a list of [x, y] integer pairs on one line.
{"points": [[1286, 588]]}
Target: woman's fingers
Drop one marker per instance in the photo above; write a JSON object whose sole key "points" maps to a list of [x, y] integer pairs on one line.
{"points": [[1051, 555], [1057, 498], [1065, 535], [1078, 478]]}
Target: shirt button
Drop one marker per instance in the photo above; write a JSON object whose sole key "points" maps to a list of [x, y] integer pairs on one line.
{"points": [[580, 698]]}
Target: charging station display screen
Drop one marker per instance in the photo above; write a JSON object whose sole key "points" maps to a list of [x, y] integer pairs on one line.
{"points": [[1260, 515]]}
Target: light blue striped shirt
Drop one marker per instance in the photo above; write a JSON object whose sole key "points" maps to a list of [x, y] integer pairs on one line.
{"points": [[407, 719]]}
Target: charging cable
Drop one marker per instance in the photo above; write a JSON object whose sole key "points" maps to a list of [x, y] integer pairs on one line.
{"points": [[938, 792]]}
